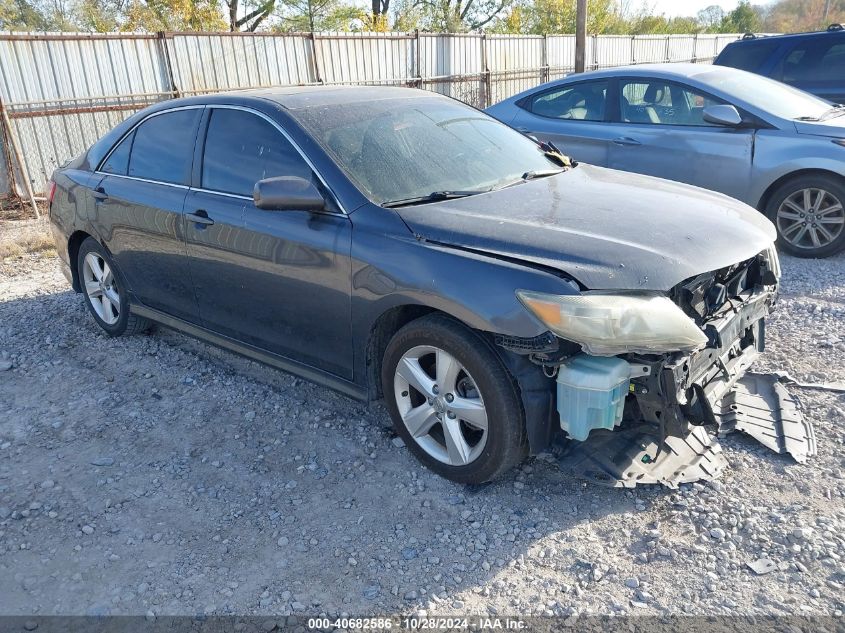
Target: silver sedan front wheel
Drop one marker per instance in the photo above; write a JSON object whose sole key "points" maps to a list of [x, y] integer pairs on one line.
{"points": [[440, 405], [101, 288], [810, 218]]}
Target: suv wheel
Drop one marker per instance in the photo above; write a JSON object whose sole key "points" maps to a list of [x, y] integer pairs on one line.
{"points": [[104, 291], [809, 214], [452, 401]]}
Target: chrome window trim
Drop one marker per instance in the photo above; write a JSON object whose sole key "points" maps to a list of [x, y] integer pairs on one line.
{"points": [[147, 180], [130, 131], [278, 127], [290, 140]]}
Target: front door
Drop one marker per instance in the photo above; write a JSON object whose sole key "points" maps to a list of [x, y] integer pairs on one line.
{"points": [[277, 280], [661, 132], [139, 207]]}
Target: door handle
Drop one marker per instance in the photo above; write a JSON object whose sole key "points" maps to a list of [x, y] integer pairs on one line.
{"points": [[200, 217], [100, 194], [626, 140], [524, 130]]}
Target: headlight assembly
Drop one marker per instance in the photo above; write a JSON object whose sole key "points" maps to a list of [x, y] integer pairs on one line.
{"points": [[608, 324]]}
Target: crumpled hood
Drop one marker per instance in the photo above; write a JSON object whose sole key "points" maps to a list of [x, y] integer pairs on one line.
{"points": [[834, 128], [608, 229]]}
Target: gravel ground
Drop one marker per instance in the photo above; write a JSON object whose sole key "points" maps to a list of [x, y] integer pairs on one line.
{"points": [[158, 474]]}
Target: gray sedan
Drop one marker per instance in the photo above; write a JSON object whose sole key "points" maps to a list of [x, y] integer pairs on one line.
{"points": [[774, 147]]}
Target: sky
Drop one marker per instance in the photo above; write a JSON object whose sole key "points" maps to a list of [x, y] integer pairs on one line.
{"points": [[675, 8]]}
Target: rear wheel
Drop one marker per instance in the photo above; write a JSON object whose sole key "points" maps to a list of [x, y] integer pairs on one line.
{"points": [[104, 291], [809, 214], [452, 401]]}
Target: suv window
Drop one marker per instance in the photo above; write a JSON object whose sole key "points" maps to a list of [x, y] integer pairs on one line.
{"points": [[663, 103], [242, 148], [164, 146], [747, 56], [579, 102], [118, 161], [815, 62]]}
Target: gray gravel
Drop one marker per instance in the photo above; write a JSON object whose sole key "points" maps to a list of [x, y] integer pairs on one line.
{"points": [[159, 475]]}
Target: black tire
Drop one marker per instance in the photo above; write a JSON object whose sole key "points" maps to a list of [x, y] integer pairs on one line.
{"points": [[506, 443], [835, 188], [126, 323]]}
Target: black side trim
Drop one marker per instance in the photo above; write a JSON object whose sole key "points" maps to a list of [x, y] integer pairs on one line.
{"points": [[268, 358]]}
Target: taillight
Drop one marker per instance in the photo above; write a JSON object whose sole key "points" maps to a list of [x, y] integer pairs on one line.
{"points": [[51, 193]]}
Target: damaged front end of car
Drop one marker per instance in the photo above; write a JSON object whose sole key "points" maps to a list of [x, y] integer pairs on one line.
{"points": [[646, 381]]}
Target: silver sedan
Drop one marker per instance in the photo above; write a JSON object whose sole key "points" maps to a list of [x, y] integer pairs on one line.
{"points": [[771, 146]]}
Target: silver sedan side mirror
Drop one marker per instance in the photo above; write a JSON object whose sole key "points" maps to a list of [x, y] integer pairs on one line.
{"points": [[722, 114]]}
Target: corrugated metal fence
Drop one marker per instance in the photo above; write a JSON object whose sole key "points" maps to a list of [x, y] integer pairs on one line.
{"points": [[62, 91]]}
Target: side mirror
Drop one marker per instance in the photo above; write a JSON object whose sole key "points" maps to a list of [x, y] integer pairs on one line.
{"points": [[287, 193], [722, 114]]}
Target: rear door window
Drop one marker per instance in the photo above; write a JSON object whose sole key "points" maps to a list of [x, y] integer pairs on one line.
{"points": [[579, 102], [164, 147], [242, 148]]}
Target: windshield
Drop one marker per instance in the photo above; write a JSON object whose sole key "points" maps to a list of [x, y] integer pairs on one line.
{"points": [[401, 149], [768, 95]]}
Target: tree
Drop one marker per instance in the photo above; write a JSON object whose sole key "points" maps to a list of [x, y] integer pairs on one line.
{"points": [[711, 17], [558, 16], [317, 15], [788, 16], [21, 15], [173, 15], [743, 19], [256, 13]]}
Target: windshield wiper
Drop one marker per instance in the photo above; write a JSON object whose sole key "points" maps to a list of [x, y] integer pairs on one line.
{"points": [[434, 196], [835, 111], [541, 173]]}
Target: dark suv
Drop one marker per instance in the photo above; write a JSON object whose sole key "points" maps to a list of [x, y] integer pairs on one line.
{"points": [[814, 62]]}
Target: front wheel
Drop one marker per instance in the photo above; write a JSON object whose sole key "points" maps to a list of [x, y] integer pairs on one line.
{"points": [[452, 401], [809, 214]]}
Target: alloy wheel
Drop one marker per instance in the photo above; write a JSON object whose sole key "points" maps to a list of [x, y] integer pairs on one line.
{"points": [[440, 405], [810, 218], [101, 288]]}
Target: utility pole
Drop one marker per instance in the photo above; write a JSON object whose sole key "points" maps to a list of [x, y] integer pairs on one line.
{"points": [[580, 35]]}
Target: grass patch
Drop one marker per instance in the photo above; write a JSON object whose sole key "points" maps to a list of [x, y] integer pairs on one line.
{"points": [[19, 238]]}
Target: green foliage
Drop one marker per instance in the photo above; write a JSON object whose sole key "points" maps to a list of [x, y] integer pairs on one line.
{"points": [[498, 16]]}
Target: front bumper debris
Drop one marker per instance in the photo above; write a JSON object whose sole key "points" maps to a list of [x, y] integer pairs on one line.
{"points": [[680, 404], [761, 407]]}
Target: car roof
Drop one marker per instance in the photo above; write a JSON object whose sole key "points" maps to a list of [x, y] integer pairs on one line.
{"points": [[750, 39], [299, 97], [673, 70]]}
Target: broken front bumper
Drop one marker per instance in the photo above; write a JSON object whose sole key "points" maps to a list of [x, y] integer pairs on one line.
{"points": [[678, 400]]}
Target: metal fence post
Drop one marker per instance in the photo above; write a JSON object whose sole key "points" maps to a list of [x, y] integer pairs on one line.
{"points": [[667, 49], [633, 49], [168, 67], [695, 48], [317, 76], [545, 74], [488, 80], [417, 59]]}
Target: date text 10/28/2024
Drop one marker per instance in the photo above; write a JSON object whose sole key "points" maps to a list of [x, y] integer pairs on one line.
{"points": [[414, 623]]}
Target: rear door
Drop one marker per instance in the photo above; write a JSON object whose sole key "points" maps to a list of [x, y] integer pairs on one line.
{"points": [[139, 207], [661, 132], [277, 280], [572, 116]]}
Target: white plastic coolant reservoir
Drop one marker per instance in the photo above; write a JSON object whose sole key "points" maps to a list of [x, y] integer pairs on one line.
{"points": [[591, 393]]}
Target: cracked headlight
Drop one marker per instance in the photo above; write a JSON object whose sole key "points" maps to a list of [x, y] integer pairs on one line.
{"points": [[608, 324]]}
